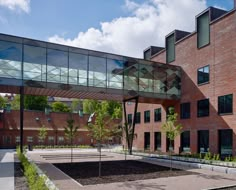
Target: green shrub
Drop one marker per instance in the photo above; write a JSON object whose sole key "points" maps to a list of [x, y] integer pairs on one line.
{"points": [[208, 156], [35, 182]]}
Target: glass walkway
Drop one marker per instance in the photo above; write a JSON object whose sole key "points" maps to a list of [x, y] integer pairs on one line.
{"points": [[45, 68]]}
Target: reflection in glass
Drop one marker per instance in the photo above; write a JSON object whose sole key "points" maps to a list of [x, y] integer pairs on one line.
{"points": [[115, 73], [57, 66], [34, 58], [78, 66], [10, 59], [97, 71]]}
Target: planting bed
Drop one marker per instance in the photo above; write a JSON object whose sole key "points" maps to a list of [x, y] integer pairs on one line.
{"points": [[86, 173]]}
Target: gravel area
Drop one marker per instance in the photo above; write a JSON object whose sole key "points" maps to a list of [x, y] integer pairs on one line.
{"points": [[86, 173]]}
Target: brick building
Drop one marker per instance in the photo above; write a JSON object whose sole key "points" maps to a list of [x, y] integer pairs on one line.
{"points": [[207, 106], [54, 123]]}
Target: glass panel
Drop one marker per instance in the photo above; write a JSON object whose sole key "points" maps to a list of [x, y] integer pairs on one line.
{"points": [[129, 118], [203, 30], [115, 73], [146, 78], [146, 116], [138, 117], [185, 110], [78, 69], [157, 114], [203, 108], [225, 104], [131, 76], [97, 71], [157, 140], [10, 60], [34, 58], [226, 142], [146, 140], [185, 141], [57, 66], [203, 75], [203, 141], [170, 48]]}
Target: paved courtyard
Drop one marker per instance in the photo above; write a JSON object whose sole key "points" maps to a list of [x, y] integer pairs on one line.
{"points": [[203, 179]]}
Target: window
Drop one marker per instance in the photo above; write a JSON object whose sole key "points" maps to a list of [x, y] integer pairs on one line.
{"points": [[138, 116], [170, 48], [6, 139], [29, 139], [17, 139], [146, 116], [129, 118], [203, 141], [147, 54], [225, 104], [225, 142], [185, 141], [170, 144], [157, 114], [60, 140], [157, 140], [185, 110], [203, 108], [146, 140], [51, 140], [203, 75], [203, 30]]}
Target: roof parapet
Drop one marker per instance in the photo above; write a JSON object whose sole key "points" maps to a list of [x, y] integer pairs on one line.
{"points": [[150, 51]]}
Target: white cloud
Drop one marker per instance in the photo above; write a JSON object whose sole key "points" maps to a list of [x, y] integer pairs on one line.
{"points": [[148, 24], [22, 5]]}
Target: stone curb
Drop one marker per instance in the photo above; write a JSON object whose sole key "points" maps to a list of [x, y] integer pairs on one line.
{"points": [[48, 182]]}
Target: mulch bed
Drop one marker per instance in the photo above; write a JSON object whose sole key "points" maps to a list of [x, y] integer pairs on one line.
{"points": [[86, 173]]}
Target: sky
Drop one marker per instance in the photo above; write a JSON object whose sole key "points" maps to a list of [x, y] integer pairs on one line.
{"points": [[124, 27]]}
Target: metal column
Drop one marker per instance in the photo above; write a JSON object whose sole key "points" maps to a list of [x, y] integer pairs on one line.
{"points": [[21, 118], [130, 137]]}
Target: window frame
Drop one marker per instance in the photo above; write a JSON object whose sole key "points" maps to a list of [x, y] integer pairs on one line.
{"points": [[205, 115], [156, 118], [167, 47], [138, 119], [182, 116], [147, 120], [205, 82], [225, 113], [209, 33], [129, 118]]}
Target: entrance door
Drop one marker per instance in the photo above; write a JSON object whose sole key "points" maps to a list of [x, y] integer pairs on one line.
{"points": [[146, 140]]}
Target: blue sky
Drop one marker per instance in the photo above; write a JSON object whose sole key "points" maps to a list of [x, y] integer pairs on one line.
{"points": [[118, 26]]}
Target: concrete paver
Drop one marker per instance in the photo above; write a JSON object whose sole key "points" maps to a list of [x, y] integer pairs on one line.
{"points": [[7, 180], [203, 179]]}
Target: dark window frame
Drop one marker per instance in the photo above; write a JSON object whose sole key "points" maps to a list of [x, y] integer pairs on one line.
{"points": [[201, 113], [185, 143], [157, 141], [157, 116], [209, 33], [224, 111], [147, 120], [183, 114], [138, 118], [167, 47], [198, 77], [129, 118]]}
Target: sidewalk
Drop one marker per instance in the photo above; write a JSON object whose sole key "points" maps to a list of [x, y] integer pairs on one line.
{"points": [[7, 181]]}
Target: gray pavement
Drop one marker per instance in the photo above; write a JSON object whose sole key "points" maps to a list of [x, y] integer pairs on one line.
{"points": [[203, 179], [7, 179]]}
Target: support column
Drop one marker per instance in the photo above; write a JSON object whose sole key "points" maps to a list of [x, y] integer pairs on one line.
{"points": [[21, 118], [130, 129]]}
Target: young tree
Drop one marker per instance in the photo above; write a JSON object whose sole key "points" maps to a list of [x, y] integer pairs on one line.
{"points": [[70, 133], [171, 128], [3, 102], [42, 133], [15, 103], [60, 107]]}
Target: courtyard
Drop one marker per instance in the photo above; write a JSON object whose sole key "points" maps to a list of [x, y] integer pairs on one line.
{"points": [[135, 172]]}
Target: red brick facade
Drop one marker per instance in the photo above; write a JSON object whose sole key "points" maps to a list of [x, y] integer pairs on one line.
{"points": [[33, 120], [220, 55]]}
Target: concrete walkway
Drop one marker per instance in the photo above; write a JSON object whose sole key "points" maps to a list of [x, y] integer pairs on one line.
{"points": [[7, 180], [203, 179]]}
